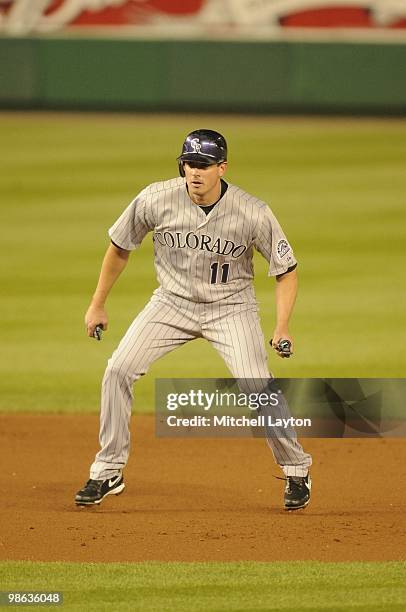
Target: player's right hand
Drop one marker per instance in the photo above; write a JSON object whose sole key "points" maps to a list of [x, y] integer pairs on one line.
{"points": [[95, 315]]}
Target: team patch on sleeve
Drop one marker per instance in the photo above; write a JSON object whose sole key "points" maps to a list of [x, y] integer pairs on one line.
{"points": [[283, 248]]}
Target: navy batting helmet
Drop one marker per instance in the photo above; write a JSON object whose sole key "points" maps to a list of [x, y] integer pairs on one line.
{"points": [[204, 147]]}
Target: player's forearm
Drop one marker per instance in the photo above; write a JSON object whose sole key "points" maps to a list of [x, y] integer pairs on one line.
{"points": [[114, 262], [285, 297]]}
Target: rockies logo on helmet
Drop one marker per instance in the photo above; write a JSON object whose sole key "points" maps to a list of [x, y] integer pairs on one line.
{"points": [[203, 146], [197, 147]]}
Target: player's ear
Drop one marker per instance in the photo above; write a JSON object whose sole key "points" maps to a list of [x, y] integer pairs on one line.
{"points": [[222, 168]]}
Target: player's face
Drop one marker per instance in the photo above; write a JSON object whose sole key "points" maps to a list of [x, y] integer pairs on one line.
{"points": [[204, 181]]}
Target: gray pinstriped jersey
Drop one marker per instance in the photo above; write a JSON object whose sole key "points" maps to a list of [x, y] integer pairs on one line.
{"points": [[204, 258]]}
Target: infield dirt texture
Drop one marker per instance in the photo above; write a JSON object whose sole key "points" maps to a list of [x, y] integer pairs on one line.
{"points": [[338, 188]]}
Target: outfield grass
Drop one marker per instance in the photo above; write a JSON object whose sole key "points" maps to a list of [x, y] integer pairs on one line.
{"points": [[186, 587], [337, 186]]}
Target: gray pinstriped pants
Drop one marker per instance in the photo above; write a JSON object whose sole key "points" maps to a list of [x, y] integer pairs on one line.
{"points": [[165, 323]]}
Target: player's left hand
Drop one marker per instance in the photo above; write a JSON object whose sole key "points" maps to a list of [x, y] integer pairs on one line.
{"points": [[282, 343]]}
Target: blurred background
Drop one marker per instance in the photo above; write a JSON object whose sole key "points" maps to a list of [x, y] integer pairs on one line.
{"points": [[96, 97]]}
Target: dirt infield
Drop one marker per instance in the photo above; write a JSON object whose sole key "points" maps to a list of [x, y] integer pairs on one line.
{"points": [[194, 500]]}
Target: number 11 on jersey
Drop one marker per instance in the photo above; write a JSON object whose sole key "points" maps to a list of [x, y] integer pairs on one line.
{"points": [[214, 278]]}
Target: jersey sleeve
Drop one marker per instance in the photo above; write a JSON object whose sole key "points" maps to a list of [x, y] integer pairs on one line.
{"points": [[272, 243], [133, 224]]}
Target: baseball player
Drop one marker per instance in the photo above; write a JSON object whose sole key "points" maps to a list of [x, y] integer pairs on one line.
{"points": [[204, 231]]}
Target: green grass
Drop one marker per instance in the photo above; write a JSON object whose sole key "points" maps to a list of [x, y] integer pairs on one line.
{"points": [[337, 186], [184, 587]]}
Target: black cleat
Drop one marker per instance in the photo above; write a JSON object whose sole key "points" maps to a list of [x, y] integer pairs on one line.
{"points": [[297, 492], [95, 490]]}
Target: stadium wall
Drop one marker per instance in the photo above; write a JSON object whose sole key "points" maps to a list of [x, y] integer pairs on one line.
{"points": [[104, 74]]}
